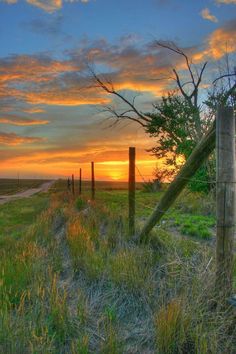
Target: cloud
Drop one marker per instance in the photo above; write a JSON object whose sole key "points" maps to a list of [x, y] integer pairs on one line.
{"points": [[10, 2], [14, 139], [205, 13], [46, 5], [32, 68], [218, 43], [41, 80], [49, 6], [51, 25], [226, 2], [89, 142], [14, 120], [72, 97], [33, 110]]}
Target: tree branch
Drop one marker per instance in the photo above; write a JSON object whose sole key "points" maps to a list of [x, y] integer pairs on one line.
{"points": [[112, 90]]}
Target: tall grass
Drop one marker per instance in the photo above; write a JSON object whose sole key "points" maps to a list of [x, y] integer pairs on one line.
{"points": [[161, 295], [74, 282]]}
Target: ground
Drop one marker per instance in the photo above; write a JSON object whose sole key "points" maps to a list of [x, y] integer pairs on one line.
{"points": [[73, 281], [26, 191]]}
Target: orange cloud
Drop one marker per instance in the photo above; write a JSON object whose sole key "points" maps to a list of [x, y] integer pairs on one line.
{"points": [[145, 86], [64, 163], [107, 148], [220, 42], [57, 96], [32, 69], [23, 121], [34, 110], [65, 83], [49, 6], [14, 139], [205, 13], [226, 1]]}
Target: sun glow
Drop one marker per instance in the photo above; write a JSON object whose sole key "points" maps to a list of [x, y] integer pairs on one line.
{"points": [[116, 175]]}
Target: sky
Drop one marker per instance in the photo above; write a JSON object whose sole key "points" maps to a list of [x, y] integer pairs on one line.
{"points": [[52, 119]]}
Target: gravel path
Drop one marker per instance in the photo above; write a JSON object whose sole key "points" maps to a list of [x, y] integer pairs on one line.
{"points": [[27, 193]]}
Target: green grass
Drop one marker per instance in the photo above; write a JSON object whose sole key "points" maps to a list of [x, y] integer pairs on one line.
{"points": [[33, 311], [191, 216], [164, 290], [17, 216], [199, 226], [73, 281]]}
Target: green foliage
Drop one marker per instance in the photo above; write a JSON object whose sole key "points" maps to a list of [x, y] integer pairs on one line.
{"points": [[110, 313], [173, 123], [193, 225], [80, 203], [80, 346], [178, 125]]}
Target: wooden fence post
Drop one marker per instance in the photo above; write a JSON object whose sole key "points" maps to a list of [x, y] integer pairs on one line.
{"points": [[73, 184], [68, 184], [225, 200], [131, 190], [18, 179], [80, 181], [92, 181]]}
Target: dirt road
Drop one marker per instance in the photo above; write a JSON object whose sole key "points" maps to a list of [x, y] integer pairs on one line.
{"points": [[27, 193]]}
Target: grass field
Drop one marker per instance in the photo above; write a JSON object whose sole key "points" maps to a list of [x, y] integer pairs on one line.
{"points": [[11, 186], [73, 281]]}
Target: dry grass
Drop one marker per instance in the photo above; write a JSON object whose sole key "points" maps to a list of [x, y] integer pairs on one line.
{"points": [[161, 295], [75, 283]]}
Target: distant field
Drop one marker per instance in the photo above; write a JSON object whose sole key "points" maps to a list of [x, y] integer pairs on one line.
{"points": [[99, 185], [11, 186]]}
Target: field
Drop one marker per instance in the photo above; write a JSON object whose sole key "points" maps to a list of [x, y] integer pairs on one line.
{"points": [[11, 186], [73, 281]]}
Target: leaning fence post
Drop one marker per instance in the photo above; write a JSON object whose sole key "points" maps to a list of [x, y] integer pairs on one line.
{"points": [[73, 184], [131, 190], [196, 159], [225, 199], [80, 181], [92, 182]]}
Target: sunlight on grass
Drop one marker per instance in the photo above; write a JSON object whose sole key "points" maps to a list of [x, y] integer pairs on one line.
{"points": [[74, 282]]}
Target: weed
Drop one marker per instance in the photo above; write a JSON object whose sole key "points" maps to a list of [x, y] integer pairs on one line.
{"points": [[80, 203], [131, 268], [80, 346]]}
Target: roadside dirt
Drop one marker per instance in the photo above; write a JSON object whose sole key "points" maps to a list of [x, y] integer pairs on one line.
{"points": [[27, 193]]}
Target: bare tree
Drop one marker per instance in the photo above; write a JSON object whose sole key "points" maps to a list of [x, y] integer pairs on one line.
{"points": [[131, 112], [177, 121], [190, 88]]}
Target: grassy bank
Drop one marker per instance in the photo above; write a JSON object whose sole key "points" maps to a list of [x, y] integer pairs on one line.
{"points": [[74, 282]]}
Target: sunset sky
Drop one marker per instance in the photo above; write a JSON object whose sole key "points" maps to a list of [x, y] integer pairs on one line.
{"points": [[51, 119]]}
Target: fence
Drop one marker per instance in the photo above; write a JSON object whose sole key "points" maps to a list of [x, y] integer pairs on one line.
{"points": [[222, 136]]}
